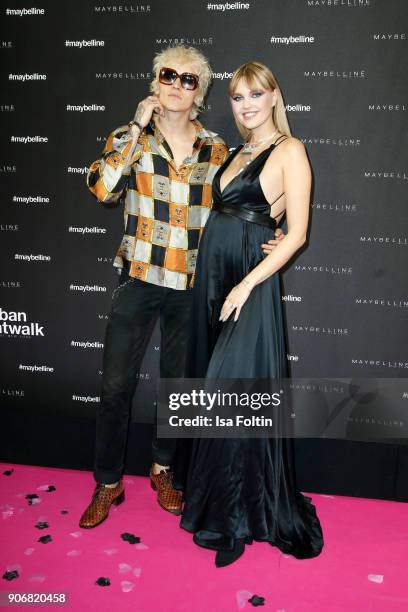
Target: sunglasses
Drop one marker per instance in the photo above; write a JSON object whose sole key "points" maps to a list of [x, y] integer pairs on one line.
{"points": [[168, 76]]}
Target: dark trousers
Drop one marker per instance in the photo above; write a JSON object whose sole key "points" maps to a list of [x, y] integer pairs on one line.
{"points": [[136, 305]]}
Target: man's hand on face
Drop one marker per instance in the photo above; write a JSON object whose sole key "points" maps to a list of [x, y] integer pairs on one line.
{"points": [[144, 112], [271, 244]]}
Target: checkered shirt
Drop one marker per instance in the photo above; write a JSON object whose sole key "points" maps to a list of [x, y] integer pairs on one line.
{"points": [[165, 206]]}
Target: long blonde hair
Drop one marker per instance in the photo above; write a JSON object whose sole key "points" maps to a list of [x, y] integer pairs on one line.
{"points": [[256, 73]]}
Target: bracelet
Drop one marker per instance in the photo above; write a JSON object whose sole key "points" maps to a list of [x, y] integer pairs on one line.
{"points": [[136, 123]]}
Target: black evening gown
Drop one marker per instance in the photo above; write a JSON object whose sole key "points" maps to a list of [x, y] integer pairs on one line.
{"points": [[241, 488]]}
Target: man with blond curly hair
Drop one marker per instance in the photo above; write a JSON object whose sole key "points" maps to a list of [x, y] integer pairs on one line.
{"points": [[161, 166]]}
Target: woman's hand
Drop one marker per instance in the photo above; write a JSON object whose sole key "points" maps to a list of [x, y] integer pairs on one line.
{"points": [[271, 244], [235, 300], [240, 293]]}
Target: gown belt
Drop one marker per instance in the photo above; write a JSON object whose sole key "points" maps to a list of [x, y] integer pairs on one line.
{"points": [[247, 215]]}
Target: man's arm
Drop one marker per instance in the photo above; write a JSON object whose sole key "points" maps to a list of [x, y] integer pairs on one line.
{"points": [[108, 176], [271, 244]]}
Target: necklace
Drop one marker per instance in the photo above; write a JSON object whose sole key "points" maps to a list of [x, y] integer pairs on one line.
{"points": [[248, 149]]}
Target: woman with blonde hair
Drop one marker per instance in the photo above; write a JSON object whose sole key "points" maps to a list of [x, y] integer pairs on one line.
{"points": [[240, 490]]}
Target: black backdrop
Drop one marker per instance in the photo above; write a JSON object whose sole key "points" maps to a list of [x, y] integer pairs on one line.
{"points": [[71, 72]]}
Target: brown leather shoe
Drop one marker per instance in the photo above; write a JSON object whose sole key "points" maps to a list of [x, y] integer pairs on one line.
{"points": [[168, 498], [98, 509]]}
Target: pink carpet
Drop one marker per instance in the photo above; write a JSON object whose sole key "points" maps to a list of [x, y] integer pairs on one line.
{"points": [[363, 566]]}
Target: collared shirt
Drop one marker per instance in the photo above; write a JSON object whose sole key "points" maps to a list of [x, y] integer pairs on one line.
{"points": [[166, 207]]}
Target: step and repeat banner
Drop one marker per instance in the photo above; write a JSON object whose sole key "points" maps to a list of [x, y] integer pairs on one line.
{"points": [[73, 71]]}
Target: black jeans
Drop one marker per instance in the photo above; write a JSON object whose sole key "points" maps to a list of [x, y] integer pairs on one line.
{"points": [[136, 305]]}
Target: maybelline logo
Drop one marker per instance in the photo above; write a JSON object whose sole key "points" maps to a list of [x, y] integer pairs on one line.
{"points": [[87, 230], [86, 398], [7, 108], [343, 3], [143, 375], [87, 288], [30, 257], [6, 44], [291, 298], [117, 9], [338, 142], [187, 40], [341, 207], [311, 329], [10, 284], [390, 36], [72, 170], [390, 240], [381, 302], [344, 74], [8, 228], [221, 75], [386, 175], [85, 344], [80, 108], [387, 107], [31, 199], [303, 108], [107, 260], [228, 6], [35, 368], [379, 363], [334, 270], [27, 77], [144, 76], [79, 44], [311, 387], [25, 12], [290, 40], [292, 357], [9, 327], [7, 169], [371, 420], [12, 392], [29, 139]]}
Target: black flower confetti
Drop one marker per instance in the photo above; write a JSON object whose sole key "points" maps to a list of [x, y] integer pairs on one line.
{"points": [[64, 511], [8, 472], [42, 525], [30, 497], [103, 581], [51, 488], [256, 600], [45, 539], [11, 575], [129, 537]]}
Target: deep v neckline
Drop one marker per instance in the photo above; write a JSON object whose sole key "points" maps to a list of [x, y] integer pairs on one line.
{"points": [[243, 168]]}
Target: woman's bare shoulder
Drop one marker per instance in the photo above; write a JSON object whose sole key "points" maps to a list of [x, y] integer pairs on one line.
{"points": [[288, 150], [291, 144]]}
